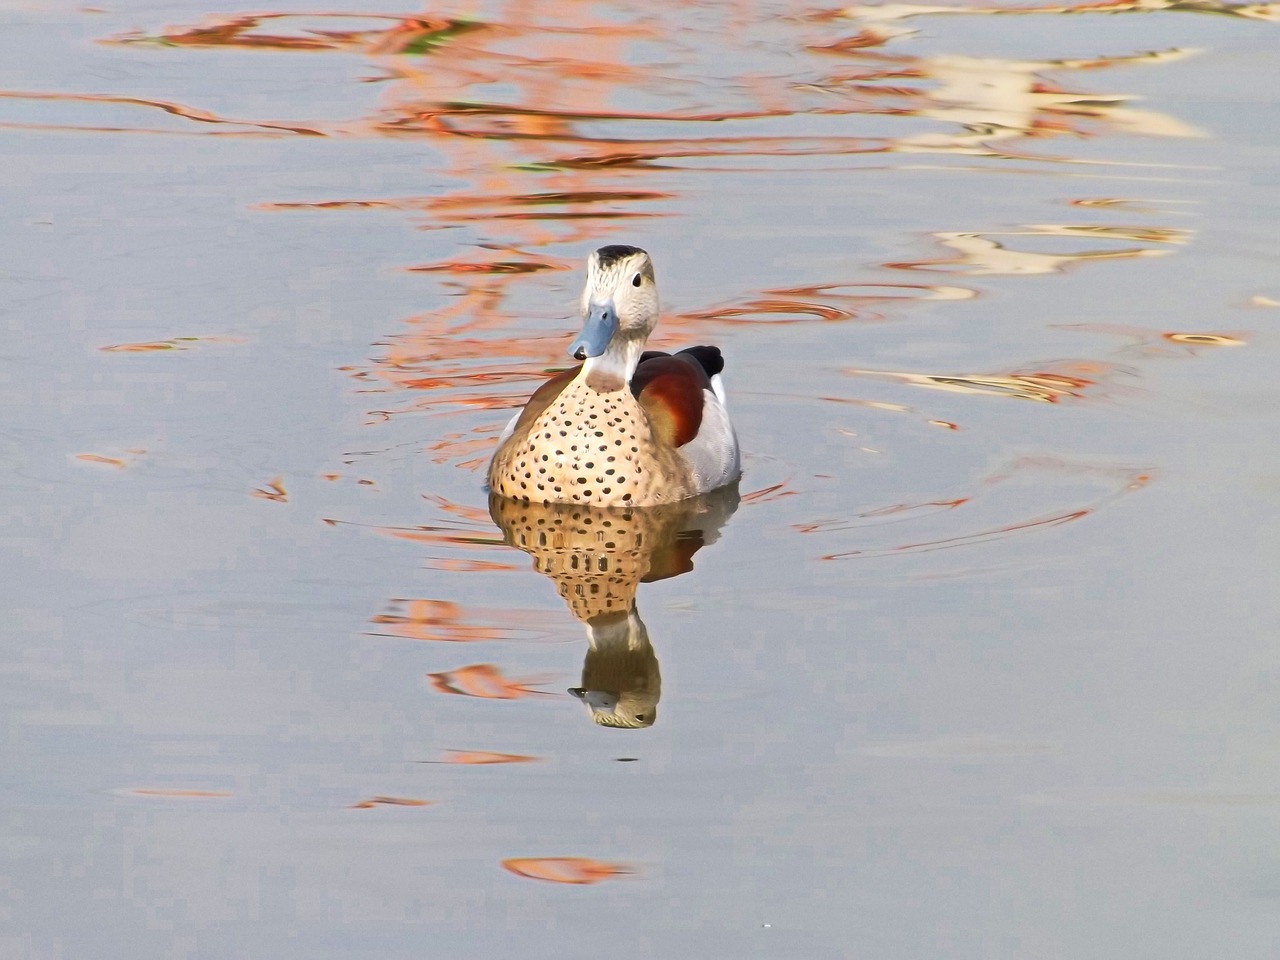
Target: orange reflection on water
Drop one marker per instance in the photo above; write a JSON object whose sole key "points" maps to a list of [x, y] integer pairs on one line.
{"points": [[404, 35], [128, 456], [574, 870], [240, 127], [824, 302], [98, 458], [274, 490], [461, 529], [457, 356], [486, 681], [787, 311], [444, 535], [151, 346], [176, 794], [389, 802], [482, 757], [1053, 383], [456, 565], [159, 346], [775, 491], [444, 621], [440, 212]]}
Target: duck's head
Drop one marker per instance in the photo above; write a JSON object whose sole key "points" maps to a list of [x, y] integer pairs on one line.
{"points": [[619, 303], [621, 682]]}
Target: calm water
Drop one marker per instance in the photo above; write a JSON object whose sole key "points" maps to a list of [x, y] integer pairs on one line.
{"points": [[983, 663]]}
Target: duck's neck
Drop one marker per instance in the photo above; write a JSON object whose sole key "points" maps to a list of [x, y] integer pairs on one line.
{"points": [[612, 370], [618, 631]]}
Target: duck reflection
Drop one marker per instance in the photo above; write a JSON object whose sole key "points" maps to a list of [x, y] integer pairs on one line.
{"points": [[597, 558]]}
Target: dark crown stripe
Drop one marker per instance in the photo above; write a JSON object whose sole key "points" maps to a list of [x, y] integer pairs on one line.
{"points": [[611, 254]]}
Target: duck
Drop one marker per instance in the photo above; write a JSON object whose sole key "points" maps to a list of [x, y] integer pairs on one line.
{"points": [[627, 427]]}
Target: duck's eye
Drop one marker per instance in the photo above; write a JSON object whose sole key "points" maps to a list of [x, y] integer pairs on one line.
{"points": [[635, 281]]}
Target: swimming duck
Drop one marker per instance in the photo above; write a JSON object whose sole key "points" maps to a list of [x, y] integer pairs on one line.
{"points": [[628, 427]]}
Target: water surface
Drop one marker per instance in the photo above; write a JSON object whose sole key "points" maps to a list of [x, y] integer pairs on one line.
{"points": [[981, 664]]}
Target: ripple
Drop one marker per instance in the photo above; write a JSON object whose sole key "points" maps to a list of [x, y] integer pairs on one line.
{"points": [[1029, 495]]}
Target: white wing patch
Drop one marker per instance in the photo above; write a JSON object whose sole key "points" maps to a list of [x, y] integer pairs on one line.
{"points": [[717, 385], [713, 454]]}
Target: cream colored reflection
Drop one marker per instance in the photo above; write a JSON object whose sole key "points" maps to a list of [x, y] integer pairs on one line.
{"points": [[597, 559], [981, 254], [992, 100]]}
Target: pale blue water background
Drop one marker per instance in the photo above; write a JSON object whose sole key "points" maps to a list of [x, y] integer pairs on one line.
{"points": [[974, 733]]}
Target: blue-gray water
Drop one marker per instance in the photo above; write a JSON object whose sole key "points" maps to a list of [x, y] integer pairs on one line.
{"points": [[983, 666]]}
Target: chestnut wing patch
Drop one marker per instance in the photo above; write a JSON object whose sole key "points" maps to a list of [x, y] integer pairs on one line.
{"points": [[674, 558], [670, 390]]}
